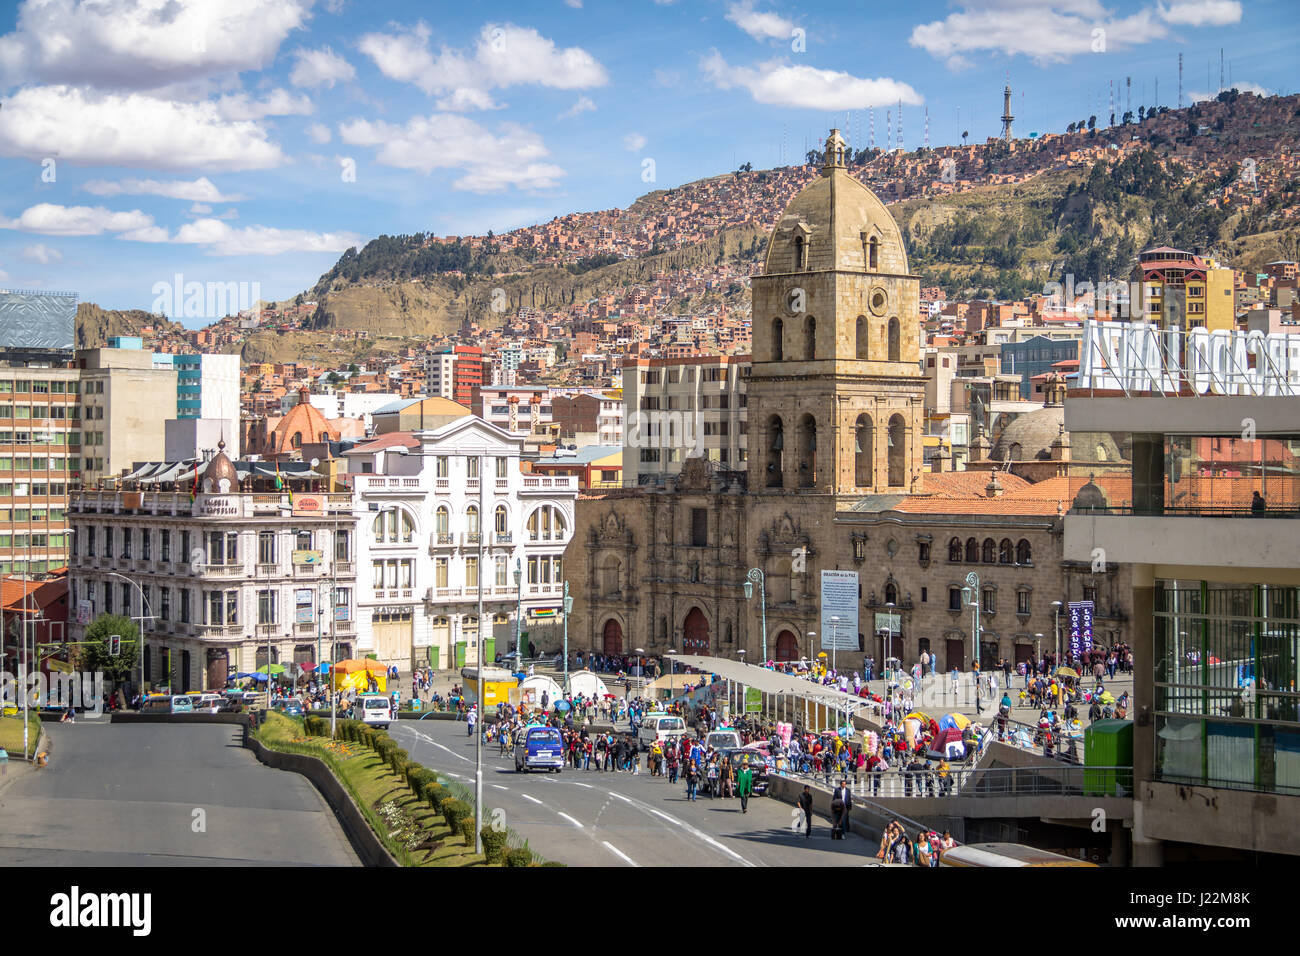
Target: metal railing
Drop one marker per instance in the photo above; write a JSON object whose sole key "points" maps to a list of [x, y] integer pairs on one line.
{"points": [[1048, 780]]}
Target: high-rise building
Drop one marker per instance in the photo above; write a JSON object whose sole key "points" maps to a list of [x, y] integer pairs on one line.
{"points": [[126, 403]]}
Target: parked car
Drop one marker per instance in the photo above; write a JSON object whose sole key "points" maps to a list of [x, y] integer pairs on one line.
{"points": [[758, 763], [208, 703], [289, 706], [182, 704]]}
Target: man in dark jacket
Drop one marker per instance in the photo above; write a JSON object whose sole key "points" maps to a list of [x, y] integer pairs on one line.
{"points": [[805, 804], [845, 796]]}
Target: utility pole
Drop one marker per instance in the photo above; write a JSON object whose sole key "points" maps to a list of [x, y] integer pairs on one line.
{"points": [[478, 725]]}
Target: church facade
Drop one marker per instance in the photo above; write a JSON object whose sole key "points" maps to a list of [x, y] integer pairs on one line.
{"points": [[834, 481]]}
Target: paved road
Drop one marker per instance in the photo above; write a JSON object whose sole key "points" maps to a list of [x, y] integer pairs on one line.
{"points": [[126, 795], [591, 818]]}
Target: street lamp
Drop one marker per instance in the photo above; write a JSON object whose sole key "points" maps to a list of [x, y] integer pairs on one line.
{"points": [[971, 593], [890, 653], [756, 576], [568, 609], [143, 606], [1037, 641], [519, 609], [1056, 608]]}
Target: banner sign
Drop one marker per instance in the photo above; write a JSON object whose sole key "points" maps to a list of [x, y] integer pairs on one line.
{"points": [[1081, 613], [840, 599], [753, 700], [308, 505], [304, 557]]}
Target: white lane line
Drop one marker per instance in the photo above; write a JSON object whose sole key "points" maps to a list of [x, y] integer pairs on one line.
{"points": [[619, 853], [585, 785], [498, 786], [533, 799], [570, 819], [694, 831]]}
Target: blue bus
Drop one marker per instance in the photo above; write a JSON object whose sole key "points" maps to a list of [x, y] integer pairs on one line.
{"points": [[539, 748]]}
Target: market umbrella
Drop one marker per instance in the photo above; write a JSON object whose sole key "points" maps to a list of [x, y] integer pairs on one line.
{"points": [[959, 721], [919, 715], [561, 705], [351, 666], [274, 668], [1066, 672]]}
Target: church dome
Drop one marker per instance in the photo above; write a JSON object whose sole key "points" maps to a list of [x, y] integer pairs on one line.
{"points": [[220, 476], [1030, 436], [835, 222]]}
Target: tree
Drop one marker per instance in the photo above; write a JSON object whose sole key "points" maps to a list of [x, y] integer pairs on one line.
{"points": [[353, 369], [333, 378], [94, 656], [1128, 118], [1141, 113], [964, 134], [1070, 128], [1092, 122]]}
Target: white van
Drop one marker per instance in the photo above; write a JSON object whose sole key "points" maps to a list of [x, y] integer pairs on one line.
{"points": [[724, 738], [665, 728], [374, 710]]}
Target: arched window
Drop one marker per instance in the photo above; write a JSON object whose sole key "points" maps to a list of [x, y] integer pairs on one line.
{"points": [[546, 524], [972, 551], [990, 555], [862, 451], [471, 519], [501, 520], [778, 340], [862, 338], [442, 519], [780, 583], [891, 593], [296, 440], [897, 451], [392, 525], [1023, 553], [808, 452], [810, 339], [377, 527], [954, 550], [800, 253], [1005, 551], [895, 345], [407, 524], [611, 576], [775, 447], [873, 253]]}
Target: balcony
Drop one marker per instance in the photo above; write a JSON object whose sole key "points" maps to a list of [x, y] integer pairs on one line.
{"points": [[550, 484], [505, 537], [471, 538], [220, 633], [442, 539]]}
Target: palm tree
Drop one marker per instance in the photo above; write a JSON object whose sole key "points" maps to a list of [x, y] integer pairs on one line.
{"points": [[964, 134]]}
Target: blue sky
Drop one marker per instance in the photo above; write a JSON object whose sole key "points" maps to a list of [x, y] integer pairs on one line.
{"points": [[252, 141]]}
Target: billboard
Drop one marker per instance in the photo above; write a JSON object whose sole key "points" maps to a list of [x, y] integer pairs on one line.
{"points": [[1080, 627], [839, 599], [38, 320]]}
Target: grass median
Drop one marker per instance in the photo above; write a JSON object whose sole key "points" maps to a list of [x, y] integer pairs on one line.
{"points": [[407, 823], [11, 734]]}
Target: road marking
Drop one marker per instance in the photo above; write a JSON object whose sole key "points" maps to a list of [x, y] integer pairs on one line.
{"points": [[570, 819], [586, 785], [619, 853], [694, 831], [499, 787], [533, 799]]}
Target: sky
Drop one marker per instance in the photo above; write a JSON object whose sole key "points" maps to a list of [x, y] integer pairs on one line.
{"points": [[146, 145]]}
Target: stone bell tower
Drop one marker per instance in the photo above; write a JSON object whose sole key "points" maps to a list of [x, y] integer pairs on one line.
{"points": [[836, 394]]}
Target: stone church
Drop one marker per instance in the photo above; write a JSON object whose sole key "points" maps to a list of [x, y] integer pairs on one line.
{"points": [[835, 480]]}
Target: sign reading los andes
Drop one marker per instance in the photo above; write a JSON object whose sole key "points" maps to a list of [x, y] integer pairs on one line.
{"points": [[1138, 357], [217, 506]]}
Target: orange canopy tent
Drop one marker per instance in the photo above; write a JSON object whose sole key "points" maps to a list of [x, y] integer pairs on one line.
{"points": [[356, 673]]}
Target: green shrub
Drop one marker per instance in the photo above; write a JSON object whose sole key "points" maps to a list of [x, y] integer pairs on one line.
{"points": [[435, 793], [553, 863], [398, 759], [518, 857], [417, 776], [453, 811], [384, 746], [467, 826], [494, 844]]}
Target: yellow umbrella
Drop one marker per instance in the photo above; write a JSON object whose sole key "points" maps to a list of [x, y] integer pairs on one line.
{"points": [[961, 720], [919, 715]]}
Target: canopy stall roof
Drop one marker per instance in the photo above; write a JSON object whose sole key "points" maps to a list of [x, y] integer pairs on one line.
{"points": [[771, 682]]}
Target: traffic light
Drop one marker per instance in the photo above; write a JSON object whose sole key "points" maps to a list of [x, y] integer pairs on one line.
{"points": [[114, 645]]}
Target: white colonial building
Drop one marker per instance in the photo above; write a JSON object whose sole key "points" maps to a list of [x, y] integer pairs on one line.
{"points": [[227, 569], [445, 516]]}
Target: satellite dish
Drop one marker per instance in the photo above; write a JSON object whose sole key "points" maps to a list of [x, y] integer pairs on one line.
{"points": [[315, 462]]}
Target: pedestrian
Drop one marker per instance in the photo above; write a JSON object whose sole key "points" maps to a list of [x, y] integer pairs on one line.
{"points": [[845, 797], [470, 719], [692, 780], [953, 675], [744, 784], [806, 804]]}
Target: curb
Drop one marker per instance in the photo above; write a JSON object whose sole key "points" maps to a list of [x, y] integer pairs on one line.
{"points": [[367, 844]]}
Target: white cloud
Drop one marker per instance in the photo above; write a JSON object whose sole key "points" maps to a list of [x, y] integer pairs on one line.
{"points": [[40, 252], [221, 239], [584, 104], [759, 25], [633, 142], [1045, 31], [143, 44], [575, 4], [777, 83], [280, 102], [199, 209], [321, 67], [130, 130], [491, 163], [198, 190], [503, 56], [51, 219], [1200, 13], [145, 234], [667, 77], [319, 132]]}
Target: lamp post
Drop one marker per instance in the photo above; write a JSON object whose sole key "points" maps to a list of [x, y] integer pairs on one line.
{"points": [[971, 592], [890, 626], [756, 576], [1056, 608], [568, 608], [519, 608], [812, 638], [143, 605], [1038, 638]]}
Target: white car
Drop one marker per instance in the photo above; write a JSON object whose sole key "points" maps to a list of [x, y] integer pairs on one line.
{"points": [[374, 710], [666, 728], [208, 703]]}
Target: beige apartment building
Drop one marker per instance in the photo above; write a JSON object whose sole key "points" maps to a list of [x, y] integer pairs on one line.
{"points": [[126, 402]]}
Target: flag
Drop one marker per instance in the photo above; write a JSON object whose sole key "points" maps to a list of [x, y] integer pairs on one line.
{"points": [[279, 482], [194, 488]]}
